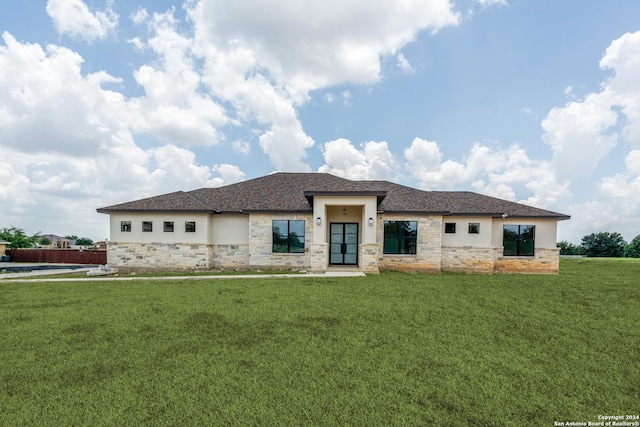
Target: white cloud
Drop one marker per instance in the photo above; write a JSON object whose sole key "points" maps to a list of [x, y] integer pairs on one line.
{"points": [[174, 109], [49, 106], [584, 132], [487, 3], [73, 17], [623, 57], [346, 97], [577, 134], [242, 147], [140, 16], [620, 194], [403, 64], [264, 57], [228, 174], [318, 44], [372, 161]]}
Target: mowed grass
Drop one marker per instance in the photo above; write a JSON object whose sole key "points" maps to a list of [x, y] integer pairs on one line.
{"points": [[393, 349]]}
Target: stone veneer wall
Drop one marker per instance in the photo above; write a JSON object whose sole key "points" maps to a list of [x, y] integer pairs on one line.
{"points": [[544, 261], [468, 259], [368, 258], [319, 253], [261, 238], [490, 260], [229, 256], [157, 256], [429, 252]]}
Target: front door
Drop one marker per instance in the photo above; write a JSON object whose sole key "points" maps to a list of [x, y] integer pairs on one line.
{"points": [[344, 244]]}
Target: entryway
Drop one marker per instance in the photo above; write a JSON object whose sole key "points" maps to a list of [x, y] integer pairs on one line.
{"points": [[344, 243]]}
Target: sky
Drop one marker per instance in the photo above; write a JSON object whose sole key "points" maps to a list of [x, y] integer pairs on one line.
{"points": [[109, 101]]}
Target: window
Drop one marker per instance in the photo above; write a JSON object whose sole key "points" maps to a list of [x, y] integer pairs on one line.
{"points": [[450, 227], [168, 226], [518, 240], [190, 226], [288, 236], [125, 226], [147, 226], [400, 237], [474, 228]]}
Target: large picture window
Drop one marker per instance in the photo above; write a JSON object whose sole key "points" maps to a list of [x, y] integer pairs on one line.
{"points": [[518, 240], [288, 236], [400, 237]]}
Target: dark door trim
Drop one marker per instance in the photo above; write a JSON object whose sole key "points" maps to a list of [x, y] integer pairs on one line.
{"points": [[343, 243]]}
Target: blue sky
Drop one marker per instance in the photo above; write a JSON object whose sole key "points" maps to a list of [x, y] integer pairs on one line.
{"points": [[106, 101]]}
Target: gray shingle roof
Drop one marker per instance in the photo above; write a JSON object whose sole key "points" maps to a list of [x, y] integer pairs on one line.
{"points": [[293, 192]]}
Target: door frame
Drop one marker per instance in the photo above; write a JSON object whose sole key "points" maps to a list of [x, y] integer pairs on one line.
{"points": [[344, 244]]}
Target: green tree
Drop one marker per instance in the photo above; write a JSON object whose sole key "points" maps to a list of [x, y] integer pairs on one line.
{"points": [[44, 241], [18, 238], [632, 250], [567, 248], [84, 241], [603, 244], [71, 237]]}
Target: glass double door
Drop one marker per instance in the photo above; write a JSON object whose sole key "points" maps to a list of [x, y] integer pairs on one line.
{"points": [[344, 244]]}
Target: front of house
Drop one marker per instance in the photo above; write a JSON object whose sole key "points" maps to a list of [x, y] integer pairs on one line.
{"points": [[318, 222]]}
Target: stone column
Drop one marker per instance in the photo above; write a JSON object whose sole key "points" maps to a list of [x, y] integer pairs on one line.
{"points": [[369, 258], [319, 253]]}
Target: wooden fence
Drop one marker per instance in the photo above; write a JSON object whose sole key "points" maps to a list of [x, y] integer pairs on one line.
{"points": [[59, 256]]}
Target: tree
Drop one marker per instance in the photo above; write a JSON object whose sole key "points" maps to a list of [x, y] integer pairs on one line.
{"points": [[603, 244], [18, 238], [84, 241], [44, 241], [567, 248], [632, 250]]}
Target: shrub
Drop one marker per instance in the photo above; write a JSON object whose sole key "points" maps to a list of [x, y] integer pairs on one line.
{"points": [[632, 250], [603, 244]]}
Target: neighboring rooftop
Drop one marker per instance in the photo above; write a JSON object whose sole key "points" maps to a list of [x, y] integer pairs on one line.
{"points": [[294, 192]]}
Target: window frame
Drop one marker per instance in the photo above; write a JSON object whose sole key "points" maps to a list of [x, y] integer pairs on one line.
{"points": [[450, 228], [147, 226], [168, 227], [187, 226], [474, 228], [403, 238], [125, 226], [520, 238], [278, 240]]}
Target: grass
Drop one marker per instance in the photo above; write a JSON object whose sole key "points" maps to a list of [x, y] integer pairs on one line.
{"points": [[180, 273], [393, 349]]}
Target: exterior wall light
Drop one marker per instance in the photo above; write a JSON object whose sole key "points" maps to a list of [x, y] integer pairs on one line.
{"points": [[370, 221], [318, 221], [344, 210]]}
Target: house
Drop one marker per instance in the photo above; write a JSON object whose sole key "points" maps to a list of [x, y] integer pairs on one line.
{"points": [[318, 222], [58, 242], [3, 246]]}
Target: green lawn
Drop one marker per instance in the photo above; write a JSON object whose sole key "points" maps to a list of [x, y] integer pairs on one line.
{"points": [[393, 349]]}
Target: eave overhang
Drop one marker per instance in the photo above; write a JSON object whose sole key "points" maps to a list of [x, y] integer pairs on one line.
{"points": [[379, 195]]}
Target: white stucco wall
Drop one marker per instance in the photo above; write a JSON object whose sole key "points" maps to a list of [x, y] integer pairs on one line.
{"points": [[158, 234], [229, 230], [462, 237]]}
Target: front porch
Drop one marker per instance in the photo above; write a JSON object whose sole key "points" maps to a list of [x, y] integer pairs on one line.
{"points": [[344, 233]]}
